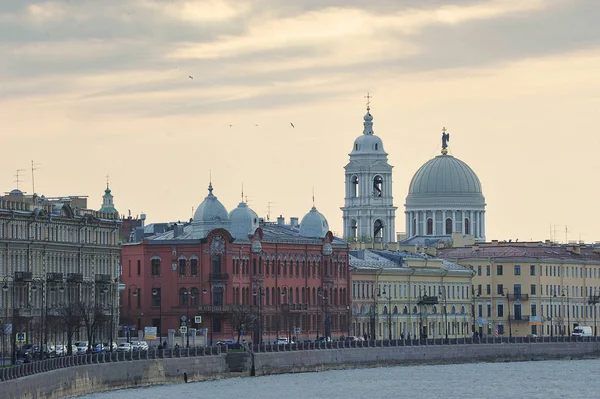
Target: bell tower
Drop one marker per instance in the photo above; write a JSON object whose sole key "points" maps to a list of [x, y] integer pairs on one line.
{"points": [[369, 212]]}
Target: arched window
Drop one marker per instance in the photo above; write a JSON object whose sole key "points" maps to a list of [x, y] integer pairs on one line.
{"points": [[194, 266], [405, 310], [385, 310], [182, 264], [353, 229], [183, 298], [354, 188], [155, 265], [467, 226], [435, 310], [376, 146], [195, 298], [448, 226], [355, 309], [415, 310], [429, 226], [363, 309], [463, 310], [377, 186], [395, 309], [378, 229]]}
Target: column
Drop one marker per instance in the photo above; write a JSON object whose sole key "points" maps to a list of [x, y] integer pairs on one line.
{"points": [[454, 221], [424, 223], [443, 222], [483, 224], [434, 217]]}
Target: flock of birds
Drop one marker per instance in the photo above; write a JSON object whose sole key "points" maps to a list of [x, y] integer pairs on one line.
{"points": [[291, 124]]}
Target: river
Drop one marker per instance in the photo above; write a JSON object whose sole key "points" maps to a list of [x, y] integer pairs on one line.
{"points": [[541, 379]]}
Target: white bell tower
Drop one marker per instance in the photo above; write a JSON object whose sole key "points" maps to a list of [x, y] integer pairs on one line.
{"points": [[369, 213]]}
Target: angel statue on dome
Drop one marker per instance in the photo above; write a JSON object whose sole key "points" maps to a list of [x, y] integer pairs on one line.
{"points": [[445, 139]]}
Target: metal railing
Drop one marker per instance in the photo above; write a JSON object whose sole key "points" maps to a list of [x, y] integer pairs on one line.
{"points": [[42, 366]]}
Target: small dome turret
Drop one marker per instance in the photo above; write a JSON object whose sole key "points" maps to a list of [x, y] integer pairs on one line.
{"points": [[314, 224], [244, 221]]}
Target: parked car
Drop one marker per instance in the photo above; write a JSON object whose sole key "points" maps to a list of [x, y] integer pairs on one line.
{"points": [[230, 343], [582, 331], [27, 350], [107, 347], [324, 339], [124, 347], [281, 341], [352, 338], [60, 350], [143, 345], [97, 348], [82, 347]]}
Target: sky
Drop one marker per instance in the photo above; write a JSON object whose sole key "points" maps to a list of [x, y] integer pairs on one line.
{"points": [[160, 95]]}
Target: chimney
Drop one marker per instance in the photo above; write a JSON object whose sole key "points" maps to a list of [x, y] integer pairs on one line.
{"points": [[177, 230], [281, 220], [143, 219], [294, 222]]}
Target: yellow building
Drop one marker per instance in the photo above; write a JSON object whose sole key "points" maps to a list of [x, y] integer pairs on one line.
{"points": [[531, 288], [395, 294]]}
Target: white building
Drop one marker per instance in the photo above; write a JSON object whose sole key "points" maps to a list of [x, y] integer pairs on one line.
{"points": [[369, 212]]}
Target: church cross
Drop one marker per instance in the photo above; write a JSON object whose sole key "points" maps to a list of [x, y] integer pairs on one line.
{"points": [[368, 97], [107, 178], [444, 130]]}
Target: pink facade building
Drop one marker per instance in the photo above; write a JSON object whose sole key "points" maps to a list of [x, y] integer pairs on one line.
{"points": [[241, 275]]}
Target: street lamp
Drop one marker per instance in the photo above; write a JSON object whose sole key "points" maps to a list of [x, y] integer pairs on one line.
{"points": [[319, 295], [157, 293], [385, 295], [135, 293], [552, 294], [594, 299], [568, 311], [287, 318], [106, 289], [13, 331], [505, 290], [40, 282], [190, 296], [258, 292], [444, 296]]}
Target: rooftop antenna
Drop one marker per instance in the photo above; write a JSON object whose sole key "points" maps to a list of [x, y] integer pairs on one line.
{"points": [[269, 210], [566, 234], [33, 169], [243, 192], [368, 97], [17, 180]]}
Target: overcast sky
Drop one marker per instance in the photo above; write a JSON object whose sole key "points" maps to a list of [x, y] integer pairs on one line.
{"points": [[89, 88]]}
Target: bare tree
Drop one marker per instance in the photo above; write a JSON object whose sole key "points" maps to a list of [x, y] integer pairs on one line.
{"points": [[242, 319], [92, 317], [69, 317]]}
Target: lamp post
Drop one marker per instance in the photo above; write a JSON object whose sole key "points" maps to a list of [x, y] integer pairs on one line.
{"points": [[594, 299], [387, 297], [444, 296], [285, 300], [552, 294], [13, 333], [109, 290], [204, 292], [319, 295], [157, 293], [568, 311], [34, 288], [135, 293], [190, 295], [505, 292], [258, 292]]}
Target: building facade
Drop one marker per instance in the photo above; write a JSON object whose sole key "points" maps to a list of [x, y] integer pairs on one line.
{"points": [[283, 280], [403, 295], [369, 213], [56, 254], [532, 288]]}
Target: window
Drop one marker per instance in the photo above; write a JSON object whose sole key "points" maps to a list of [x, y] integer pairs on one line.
{"points": [[155, 266], [500, 311], [467, 230], [500, 329], [377, 184], [354, 188], [139, 298], [183, 298], [479, 270], [479, 290], [500, 289], [139, 267], [156, 297], [429, 226], [489, 310], [216, 322], [517, 270], [194, 266], [533, 309], [195, 298], [499, 270], [480, 310], [448, 226], [532, 290], [182, 263], [532, 270], [488, 270], [488, 289]]}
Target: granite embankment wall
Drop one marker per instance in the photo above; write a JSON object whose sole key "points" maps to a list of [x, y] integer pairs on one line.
{"points": [[84, 379], [302, 361], [81, 380]]}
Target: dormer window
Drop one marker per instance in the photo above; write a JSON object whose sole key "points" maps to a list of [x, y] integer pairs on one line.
{"points": [[376, 146], [356, 147]]}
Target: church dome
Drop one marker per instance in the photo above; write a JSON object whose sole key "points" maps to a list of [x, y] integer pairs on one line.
{"points": [[368, 143], [314, 224], [211, 209], [244, 221], [445, 174]]}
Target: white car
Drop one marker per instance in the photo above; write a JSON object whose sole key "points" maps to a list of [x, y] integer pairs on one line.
{"points": [[124, 347], [143, 345], [82, 348], [281, 341]]}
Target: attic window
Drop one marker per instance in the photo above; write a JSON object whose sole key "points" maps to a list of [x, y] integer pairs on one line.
{"points": [[356, 147], [376, 146]]}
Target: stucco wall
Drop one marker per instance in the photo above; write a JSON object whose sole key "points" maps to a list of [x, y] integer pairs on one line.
{"points": [[68, 382]]}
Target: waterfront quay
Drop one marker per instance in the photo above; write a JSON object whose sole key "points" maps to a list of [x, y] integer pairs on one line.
{"points": [[79, 375]]}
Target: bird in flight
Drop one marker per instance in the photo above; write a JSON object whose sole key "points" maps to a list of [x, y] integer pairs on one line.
{"points": [[230, 125], [191, 77], [292, 125]]}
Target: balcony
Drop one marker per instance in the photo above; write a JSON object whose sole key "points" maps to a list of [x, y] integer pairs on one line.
{"points": [[214, 277], [519, 297], [519, 317]]}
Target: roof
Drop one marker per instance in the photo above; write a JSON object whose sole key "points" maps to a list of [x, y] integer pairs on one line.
{"points": [[272, 232], [383, 259], [586, 254], [445, 174]]}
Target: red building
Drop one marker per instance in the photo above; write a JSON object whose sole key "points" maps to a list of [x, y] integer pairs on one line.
{"points": [[240, 273]]}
